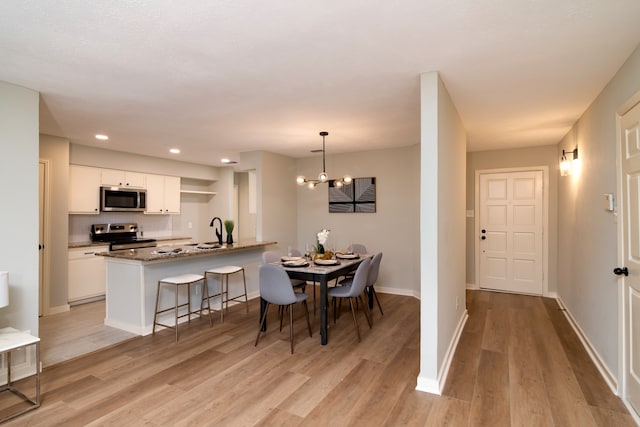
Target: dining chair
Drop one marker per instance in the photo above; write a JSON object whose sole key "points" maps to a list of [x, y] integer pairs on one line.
{"points": [[269, 257], [358, 248], [354, 294], [275, 288], [296, 252], [372, 278]]}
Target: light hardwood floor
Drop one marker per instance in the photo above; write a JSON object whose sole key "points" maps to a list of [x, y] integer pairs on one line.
{"points": [[518, 363], [81, 330]]}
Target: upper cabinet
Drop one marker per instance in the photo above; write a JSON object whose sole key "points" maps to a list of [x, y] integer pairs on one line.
{"points": [[84, 190], [123, 178], [163, 194]]}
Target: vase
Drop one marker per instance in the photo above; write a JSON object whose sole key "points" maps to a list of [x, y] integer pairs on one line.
{"points": [[229, 239], [319, 248]]}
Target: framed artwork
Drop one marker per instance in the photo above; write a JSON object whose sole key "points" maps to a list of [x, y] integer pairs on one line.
{"points": [[359, 196]]}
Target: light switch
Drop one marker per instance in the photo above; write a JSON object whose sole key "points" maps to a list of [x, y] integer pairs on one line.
{"points": [[609, 202]]}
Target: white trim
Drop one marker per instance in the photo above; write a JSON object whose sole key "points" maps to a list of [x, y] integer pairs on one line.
{"points": [[473, 286], [553, 295], [545, 218], [428, 385], [622, 297], [608, 376]]}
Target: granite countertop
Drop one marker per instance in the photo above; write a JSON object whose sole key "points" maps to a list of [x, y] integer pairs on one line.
{"points": [[157, 253], [88, 243]]}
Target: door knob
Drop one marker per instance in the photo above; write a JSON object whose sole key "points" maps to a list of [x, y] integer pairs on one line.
{"points": [[484, 238], [620, 271], [484, 231]]}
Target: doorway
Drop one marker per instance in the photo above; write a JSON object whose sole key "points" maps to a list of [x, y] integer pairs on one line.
{"points": [[43, 230], [629, 251], [511, 245]]}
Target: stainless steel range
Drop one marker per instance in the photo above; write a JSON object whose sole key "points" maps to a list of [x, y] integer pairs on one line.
{"points": [[120, 236]]}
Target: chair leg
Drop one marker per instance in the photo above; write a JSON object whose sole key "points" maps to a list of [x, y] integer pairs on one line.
{"points": [[264, 317], [355, 319], [246, 298], [367, 313], [375, 295], [291, 325], [334, 309], [205, 291], [176, 325], [282, 309], [306, 311], [155, 316]]}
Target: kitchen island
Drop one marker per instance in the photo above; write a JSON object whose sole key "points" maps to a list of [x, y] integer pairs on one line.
{"points": [[132, 278]]}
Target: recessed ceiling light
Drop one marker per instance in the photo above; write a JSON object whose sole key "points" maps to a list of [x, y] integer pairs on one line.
{"points": [[228, 161], [175, 151], [102, 137]]}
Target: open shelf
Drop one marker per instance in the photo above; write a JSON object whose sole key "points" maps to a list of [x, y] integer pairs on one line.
{"points": [[209, 193]]}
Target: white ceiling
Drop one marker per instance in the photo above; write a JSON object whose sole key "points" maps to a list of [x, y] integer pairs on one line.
{"points": [[215, 78]]}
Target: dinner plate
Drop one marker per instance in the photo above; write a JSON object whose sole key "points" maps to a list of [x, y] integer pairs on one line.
{"points": [[291, 258], [297, 263], [327, 262], [347, 256]]}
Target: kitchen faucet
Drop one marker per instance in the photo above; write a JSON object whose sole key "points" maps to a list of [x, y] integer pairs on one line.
{"points": [[218, 233]]}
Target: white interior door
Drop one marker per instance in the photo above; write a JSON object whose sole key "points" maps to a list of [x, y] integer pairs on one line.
{"points": [[42, 279], [511, 231], [630, 170]]}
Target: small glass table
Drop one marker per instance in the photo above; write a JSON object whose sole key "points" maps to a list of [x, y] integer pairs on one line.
{"points": [[12, 340]]}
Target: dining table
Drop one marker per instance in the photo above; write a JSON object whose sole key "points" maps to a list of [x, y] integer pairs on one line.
{"points": [[322, 272]]}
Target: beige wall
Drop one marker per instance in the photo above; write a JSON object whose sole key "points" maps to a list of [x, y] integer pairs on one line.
{"points": [[19, 216], [588, 241], [514, 158], [392, 229], [56, 151], [442, 225]]}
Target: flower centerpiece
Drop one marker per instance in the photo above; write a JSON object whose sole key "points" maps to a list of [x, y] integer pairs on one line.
{"points": [[322, 237]]}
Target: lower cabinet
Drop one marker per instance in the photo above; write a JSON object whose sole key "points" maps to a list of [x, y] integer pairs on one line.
{"points": [[87, 279]]}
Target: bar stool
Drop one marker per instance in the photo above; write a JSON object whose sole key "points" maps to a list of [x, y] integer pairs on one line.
{"points": [[224, 272], [177, 281]]}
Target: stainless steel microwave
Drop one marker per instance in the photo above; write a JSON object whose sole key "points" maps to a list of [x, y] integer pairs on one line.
{"points": [[118, 199]]}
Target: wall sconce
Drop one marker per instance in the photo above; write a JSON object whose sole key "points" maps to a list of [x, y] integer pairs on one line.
{"points": [[567, 166]]}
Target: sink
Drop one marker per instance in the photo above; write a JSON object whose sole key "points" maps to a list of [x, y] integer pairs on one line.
{"points": [[215, 245]]}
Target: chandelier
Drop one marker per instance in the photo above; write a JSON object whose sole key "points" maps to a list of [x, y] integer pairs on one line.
{"points": [[323, 177]]}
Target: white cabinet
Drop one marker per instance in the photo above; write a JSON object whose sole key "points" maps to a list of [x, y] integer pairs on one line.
{"points": [[123, 178], [163, 194], [84, 190], [87, 277]]}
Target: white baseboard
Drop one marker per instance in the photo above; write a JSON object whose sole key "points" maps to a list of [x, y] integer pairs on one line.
{"points": [[609, 378], [435, 386], [397, 291], [549, 294], [472, 286]]}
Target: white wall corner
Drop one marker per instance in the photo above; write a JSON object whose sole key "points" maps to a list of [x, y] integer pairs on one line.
{"points": [[435, 386], [428, 385]]}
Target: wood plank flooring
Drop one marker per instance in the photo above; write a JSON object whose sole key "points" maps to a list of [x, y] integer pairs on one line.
{"points": [[518, 363], [81, 330]]}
